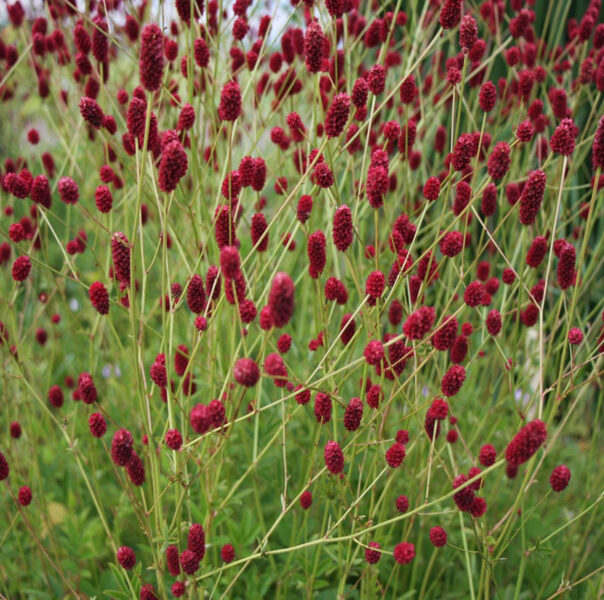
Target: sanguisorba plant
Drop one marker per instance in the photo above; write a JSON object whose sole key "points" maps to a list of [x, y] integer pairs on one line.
{"points": [[301, 300]]}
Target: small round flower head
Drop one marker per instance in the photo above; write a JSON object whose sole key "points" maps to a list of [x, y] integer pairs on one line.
{"points": [[575, 336], [189, 562], [438, 536], [55, 396], [21, 268], [334, 459], [499, 161], [172, 560], [532, 196], [227, 553], [559, 478], [126, 557], [4, 468], [68, 190], [196, 540], [315, 46], [525, 443], [196, 295], [322, 408], [15, 430], [91, 112], [468, 33], [597, 151], [432, 188], [353, 414], [487, 96], [360, 91], [97, 425], [408, 90], [536, 252], [453, 380], [121, 447], [316, 253], [563, 138], [246, 372], [525, 131], [419, 323], [337, 115], [86, 388], [173, 439], [99, 297], [342, 231], [281, 299], [487, 455], [373, 556], [120, 250], [375, 284], [25, 495], [405, 551], [565, 271], [151, 63], [173, 166], [474, 293], [103, 199], [493, 322], [230, 102], [395, 455], [306, 499], [178, 588]]}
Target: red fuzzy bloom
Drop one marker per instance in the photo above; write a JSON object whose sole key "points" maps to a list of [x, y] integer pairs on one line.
{"points": [[21, 268], [172, 560], [227, 553], [465, 148], [322, 408], [173, 439], [565, 271], [304, 208], [24, 496], [487, 96], [451, 244], [420, 322], [487, 455], [353, 414], [86, 389], [40, 191], [4, 468], [281, 299], [360, 91], [97, 425], [334, 459], [375, 284], [126, 557], [525, 131], [438, 536], [55, 396], [189, 562], [68, 190], [468, 33], [493, 322], [395, 455], [376, 79], [229, 261], [196, 540], [201, 53], [559, 478], [246, 372], [342, 231], [322, 175], [196, 296], [405, 551], [532, 196], [91, 112], [100, 43], [151, 63], [525, 443], [432, 188], [173, 166], [402, 504], [374, 352], [258, 228], [575, 336], [474, 293], [120, 250], [536, 252], [444, 337], [372, 556], [121, 447], [230, 102], [337, 115], [306, 500], [499, 161], [103, 198], [597, 151], [316, 253], [315, 46], [408, 90], [453, 380], [99, 297], [563, 138]]}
